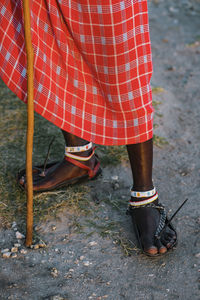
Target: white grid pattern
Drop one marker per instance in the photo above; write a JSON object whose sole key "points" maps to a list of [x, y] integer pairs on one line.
{"points": [[95, 58]]}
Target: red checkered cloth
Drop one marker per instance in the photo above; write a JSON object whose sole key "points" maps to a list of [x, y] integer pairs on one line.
{"points": [[92, 65]]}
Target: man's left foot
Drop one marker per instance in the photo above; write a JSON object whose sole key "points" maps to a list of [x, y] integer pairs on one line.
{"points": [[69, 171], [146, 222]]}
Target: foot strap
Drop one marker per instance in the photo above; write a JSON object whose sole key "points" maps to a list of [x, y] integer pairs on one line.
{"points": [[76, 160], [78, 157], [91, 172]]}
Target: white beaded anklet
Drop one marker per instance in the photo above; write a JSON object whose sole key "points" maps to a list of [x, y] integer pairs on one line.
{"points": [[136, 194], [69, 150], [78, 148]]}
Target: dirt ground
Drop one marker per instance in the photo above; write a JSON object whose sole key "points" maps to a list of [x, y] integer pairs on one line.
{"points": [[91, 253]]}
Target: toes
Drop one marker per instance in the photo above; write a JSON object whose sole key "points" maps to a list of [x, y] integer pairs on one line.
{"points": [[151, 251], [161, 248], [154, 250]]}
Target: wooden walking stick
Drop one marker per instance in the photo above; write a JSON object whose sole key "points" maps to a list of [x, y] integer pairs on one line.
{"points": [[30, 122]]}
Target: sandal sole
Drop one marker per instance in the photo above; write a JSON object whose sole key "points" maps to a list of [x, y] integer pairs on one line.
{"points": [[60, 185]]}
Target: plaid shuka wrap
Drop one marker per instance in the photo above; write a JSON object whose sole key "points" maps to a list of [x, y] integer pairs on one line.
{"points": [[92, 65]]}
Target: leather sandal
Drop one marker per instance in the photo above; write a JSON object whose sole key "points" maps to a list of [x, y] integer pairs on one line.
{"points": [[164, 221], [40, 172]]}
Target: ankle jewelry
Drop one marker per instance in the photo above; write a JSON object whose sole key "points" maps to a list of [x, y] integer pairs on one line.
{"points": [[78, 148], [152, 196], [69, 150], [144, 202], [143, 194]]}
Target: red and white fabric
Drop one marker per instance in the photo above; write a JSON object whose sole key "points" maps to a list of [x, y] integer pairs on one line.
{"points": [[92, 65]]}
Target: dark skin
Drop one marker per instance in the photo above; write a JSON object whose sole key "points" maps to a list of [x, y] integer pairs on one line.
{"points": [[141, 161]]}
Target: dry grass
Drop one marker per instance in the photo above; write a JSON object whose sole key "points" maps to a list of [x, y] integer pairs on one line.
{"points": [[160, 142], [12, 149], [112, 154], [157, 89]]}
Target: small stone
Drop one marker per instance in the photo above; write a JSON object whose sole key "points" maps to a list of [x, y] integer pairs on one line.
{"points": [[42, 245], [4, 250], [57, 297], [14, 224], [82, 257], [93, 243], [17, 245], [115, 185], [71, 270], [23, 251], [77, 262], [6, 254], [19, 235], [115, 178], [36, 246], [198, 220], [197, 255], [165, 40], [37, 227], [170, 68], [68, 275], [53, 227], [14, 255], [173, 9], [54, 272], [86, 263], [14, 249]]}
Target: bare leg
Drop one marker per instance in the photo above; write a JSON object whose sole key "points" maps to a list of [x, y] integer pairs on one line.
{"points": [[73, 140], [141, 160]]}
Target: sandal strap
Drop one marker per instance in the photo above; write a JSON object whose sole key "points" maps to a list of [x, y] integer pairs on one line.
{"points": [[91, 172], [163, 216], [161, 225], [80, 158]]}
